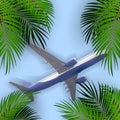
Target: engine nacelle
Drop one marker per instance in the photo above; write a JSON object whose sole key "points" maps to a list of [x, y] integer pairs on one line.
{"points": [[81, 80], [71, 62]]}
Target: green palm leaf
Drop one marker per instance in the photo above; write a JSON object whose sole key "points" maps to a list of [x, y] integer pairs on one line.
{"points": [[36, 18], [73, 110], [23, 21], [14, 106], [97, 103], [26, 113], [101, 22], [11, 43], [101, 100]]}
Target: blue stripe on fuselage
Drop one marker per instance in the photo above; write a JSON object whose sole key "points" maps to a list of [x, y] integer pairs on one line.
{"points": [[65, 75]]}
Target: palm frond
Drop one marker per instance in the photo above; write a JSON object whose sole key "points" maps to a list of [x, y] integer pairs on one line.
{"points": [[23, 21], [101, 99], [96, 103], [11, 43], [73, 110], [14, 106], [36, 17], [26, 113], [12, 103], [101, 22]]}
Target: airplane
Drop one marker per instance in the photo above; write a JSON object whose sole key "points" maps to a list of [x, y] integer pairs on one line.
{"points": [[67, 72]]}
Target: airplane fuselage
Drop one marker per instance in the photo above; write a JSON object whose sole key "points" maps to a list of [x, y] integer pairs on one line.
{"points": [[72, 71], [67, 72]]}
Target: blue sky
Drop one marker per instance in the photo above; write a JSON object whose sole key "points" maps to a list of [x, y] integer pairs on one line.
{"points": [[65, 42]]}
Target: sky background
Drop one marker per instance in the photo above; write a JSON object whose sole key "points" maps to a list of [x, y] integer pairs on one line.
{"points": [[65, 42]]}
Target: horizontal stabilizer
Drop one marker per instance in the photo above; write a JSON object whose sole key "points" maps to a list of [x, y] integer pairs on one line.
{"points": [[26, 84], [24, 89]]}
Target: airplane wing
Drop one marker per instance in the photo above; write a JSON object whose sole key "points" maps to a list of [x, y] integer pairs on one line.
{"points": [[57, 64], [71, 84], [59, 67]]}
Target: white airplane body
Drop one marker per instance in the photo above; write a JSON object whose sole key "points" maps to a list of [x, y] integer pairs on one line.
{"points": [[65, 72]]}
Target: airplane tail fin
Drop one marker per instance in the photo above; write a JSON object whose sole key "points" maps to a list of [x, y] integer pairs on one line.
{"points": [[24, 89]]}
